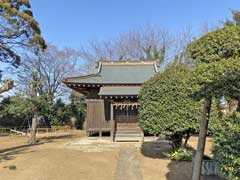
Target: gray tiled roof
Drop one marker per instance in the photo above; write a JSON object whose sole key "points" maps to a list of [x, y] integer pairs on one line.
{"points": [[119, 90], [117, 73]]}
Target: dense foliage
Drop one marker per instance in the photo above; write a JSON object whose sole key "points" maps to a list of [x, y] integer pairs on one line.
{"points": [[227, 146], [17, 111], [218, 45], [60, 113], [14, 112], [166, 107], [218, 79], [215, 117], [217, 59], [217, 74]]}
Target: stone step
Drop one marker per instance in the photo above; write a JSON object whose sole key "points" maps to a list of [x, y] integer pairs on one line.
{"points": [[128, 132], [128, 129], [128, 135], [128, 139]]}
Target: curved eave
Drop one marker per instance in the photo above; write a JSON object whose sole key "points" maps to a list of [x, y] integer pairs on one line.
{"points": [[70, 79], [96, 85]]}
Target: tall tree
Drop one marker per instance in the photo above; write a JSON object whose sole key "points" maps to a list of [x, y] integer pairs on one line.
{"points": [[18, 29], [217, 58], [34, 94], [52, 66]]}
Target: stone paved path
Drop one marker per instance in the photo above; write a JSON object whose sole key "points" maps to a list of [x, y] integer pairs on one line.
{"points": [[128, 164]]}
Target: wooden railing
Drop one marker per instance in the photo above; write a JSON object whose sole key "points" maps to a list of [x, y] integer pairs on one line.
{"points": [[4, 131]]}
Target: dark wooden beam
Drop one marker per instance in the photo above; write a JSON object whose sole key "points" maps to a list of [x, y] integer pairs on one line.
{"points": [[112, 122]]}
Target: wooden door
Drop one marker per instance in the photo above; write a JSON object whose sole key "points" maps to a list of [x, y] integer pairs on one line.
{"points": [[126, 117]]}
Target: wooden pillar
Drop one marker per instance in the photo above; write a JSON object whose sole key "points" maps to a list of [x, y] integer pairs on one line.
{"points": [[112, 122], [100, 134], [142, 134]]}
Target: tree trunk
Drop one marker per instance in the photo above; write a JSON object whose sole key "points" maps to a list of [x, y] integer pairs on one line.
{"points": [[177, 141], [32, 138], [7, 85], [33, 93], [202, 139], [186, 140]]}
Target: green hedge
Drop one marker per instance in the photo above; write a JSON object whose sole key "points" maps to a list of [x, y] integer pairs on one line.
{"points": [[166, 106], [227, 146]]}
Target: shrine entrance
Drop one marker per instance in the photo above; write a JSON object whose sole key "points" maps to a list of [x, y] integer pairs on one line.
{"points": [[126, 118], [125, 115]]}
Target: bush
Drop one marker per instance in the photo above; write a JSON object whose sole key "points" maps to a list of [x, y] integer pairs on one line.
{"points": [[12, 167], [227, 146], [166, 106], [56, 113], [17, 111], [181, 154]]}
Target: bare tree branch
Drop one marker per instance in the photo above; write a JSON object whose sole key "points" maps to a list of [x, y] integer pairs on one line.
{"points": [[51, 66], [144, 43]]}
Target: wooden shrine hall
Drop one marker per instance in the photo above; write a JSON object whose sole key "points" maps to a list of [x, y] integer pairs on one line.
{"points": [[112, 97]]}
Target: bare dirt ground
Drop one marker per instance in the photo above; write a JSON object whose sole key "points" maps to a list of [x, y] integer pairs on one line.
{"points": [[49, 160]]}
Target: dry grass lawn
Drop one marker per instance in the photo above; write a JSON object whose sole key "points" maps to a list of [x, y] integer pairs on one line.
{"points": [[51, 161]]}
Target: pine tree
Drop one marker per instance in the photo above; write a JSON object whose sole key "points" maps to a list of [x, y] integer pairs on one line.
{"points": [[18, 28]]}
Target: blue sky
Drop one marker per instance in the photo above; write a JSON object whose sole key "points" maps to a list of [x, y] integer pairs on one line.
{"points": [[72, 23]]}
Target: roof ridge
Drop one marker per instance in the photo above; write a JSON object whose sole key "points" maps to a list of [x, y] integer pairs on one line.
{"points": [[126, 63]]}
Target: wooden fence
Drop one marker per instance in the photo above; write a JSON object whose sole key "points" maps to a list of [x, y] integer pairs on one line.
{"points": [[25, 130], [5, 131]]}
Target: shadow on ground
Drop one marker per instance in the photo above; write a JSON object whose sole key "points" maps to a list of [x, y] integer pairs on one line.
{"points": [[68, 136], [10, 153], [155, 149], [178, 170]]}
